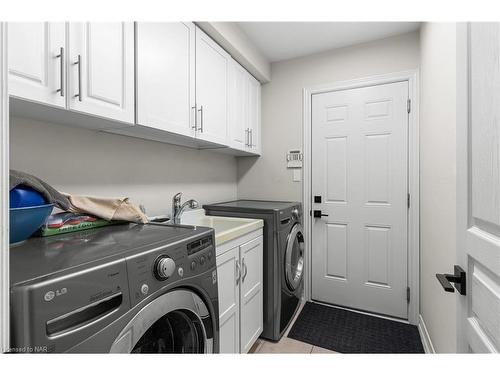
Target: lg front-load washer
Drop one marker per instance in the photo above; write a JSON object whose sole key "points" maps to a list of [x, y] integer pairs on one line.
{"points": [[283, 257], [125, 288]]}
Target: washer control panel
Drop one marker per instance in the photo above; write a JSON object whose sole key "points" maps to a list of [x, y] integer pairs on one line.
{"points": [[153, 270]]}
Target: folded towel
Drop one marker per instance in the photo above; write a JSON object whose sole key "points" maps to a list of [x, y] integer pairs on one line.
{"points": [[106, 208], [49, 193]]}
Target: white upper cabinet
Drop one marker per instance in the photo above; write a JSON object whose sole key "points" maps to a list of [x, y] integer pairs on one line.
{"points": [[238, 108], [244, 110], [254, 115], [212, 70], [169, 82], [36, 66], [101, 69], [165, 68]]}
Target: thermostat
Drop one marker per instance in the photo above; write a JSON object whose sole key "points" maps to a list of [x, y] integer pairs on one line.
{"points": [[294, 159]]}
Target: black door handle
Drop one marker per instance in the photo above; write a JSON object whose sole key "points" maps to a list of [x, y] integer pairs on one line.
{"points": [[458, 278], [317, 213]]}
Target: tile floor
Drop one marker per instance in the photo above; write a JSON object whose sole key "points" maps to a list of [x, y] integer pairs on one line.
{"points": [[287, 345]]}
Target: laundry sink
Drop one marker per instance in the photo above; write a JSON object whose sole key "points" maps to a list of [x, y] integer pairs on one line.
{"points": [[226, 228]]}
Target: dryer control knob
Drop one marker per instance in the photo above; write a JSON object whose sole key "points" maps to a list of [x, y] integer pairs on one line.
{"points": [[295, 213], [164, 268]]}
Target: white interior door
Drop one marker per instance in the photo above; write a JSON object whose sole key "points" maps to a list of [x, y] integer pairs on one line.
{"points": [[165, 69], [36, 65], [359, 169], [478, 171], [101, 69]]}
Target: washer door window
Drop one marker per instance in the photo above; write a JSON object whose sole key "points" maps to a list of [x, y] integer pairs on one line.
{"points": [[176, 322], [294, 257]]}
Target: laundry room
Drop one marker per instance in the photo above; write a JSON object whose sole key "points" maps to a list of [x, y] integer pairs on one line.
{"points": [[269, 188]]}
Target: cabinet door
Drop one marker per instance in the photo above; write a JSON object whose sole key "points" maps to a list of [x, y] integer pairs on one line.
{"points": [[251, 293], [101, 69], [238, 109], [212, 68], [254, 114], [229, 300], [36, 67], [165, 67]]}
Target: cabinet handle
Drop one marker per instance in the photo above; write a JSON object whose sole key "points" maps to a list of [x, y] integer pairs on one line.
{"points": [[79, 63], [201, 119], [251, 137], [247, 136], [194, 120], [238, 272], [245, 269], [60, 90]]}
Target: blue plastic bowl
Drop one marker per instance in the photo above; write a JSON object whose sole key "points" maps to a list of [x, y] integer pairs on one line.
{"points": [[24, 221], [24, 196]]}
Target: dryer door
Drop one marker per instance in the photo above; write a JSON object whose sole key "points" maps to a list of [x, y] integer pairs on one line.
{"points": [[176, 322], [294, 257]]}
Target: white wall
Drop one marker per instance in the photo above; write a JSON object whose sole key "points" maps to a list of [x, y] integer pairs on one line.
{"points": [[234, 40], [81, 161], [267, 176], [438, 180]]}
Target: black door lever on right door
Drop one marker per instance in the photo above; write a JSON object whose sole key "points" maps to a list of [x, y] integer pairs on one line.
{"points": [[458, 278], [317, 213]]}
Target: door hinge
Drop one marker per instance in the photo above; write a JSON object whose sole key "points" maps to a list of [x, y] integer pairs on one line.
{"points": [[408, 200], [408, 105], [408, 294]]}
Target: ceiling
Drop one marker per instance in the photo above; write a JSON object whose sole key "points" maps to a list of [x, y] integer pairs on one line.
{"points": [[287, 40]]}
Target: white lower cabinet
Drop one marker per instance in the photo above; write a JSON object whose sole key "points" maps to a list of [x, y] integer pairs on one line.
{"points": [[239, 270]]}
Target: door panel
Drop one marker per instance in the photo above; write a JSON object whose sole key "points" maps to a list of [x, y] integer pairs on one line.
{"points": [[239, 110], [229, 301], [35, 63], [212, 68], [478, 170], [359, 167], [251, 293], [165, 83], [105, 80], [254, 113]]}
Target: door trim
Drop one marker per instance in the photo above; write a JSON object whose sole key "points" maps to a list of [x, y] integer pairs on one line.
{"points": [[4, 196], [413, 266], [462, 119]]}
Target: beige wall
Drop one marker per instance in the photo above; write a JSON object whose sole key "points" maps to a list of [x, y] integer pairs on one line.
{"points": [[87, 162], [267, 177], [437, 180]]}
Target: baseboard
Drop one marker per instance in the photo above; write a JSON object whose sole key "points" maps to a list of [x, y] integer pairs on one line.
{"points": [[424, 336]]}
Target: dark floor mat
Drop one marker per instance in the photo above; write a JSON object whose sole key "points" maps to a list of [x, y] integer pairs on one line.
{"points": [[349, 332]]}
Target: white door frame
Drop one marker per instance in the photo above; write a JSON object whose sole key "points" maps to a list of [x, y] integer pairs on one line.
{"points": [[411, 77], [4, 196]]}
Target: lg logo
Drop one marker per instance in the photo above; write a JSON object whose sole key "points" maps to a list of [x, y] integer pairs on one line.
{"points": [[49, 296]]}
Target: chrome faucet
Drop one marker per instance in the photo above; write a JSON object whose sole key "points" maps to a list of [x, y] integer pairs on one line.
{"points": [[178, 209]]}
